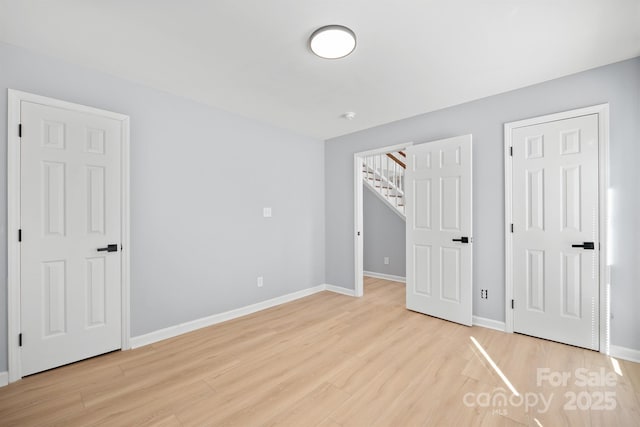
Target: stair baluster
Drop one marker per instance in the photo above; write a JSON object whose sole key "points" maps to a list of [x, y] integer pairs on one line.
{"points": [[384, 173]]}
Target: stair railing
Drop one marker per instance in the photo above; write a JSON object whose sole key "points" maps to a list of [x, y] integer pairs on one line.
{"points": [[384, 172]]}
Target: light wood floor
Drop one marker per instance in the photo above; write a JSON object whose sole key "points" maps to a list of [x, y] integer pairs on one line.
{"points": [[326, 360]]}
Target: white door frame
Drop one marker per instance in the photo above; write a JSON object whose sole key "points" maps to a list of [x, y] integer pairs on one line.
{"points": [[13, 218], [358, 224], [602, 111]]}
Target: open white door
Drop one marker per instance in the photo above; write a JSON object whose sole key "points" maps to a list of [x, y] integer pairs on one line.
{"points": [[439, 229]]}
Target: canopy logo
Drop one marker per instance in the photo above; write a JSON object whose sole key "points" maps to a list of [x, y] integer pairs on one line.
{"points": [[580, 397], [500, 399]]}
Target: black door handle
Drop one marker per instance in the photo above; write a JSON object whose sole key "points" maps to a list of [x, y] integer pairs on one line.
{"points": [[109, 248], [461, 240], [585, 245]]}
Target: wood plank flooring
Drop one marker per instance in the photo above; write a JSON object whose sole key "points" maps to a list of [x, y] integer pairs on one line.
{"points": [[330, 360]]}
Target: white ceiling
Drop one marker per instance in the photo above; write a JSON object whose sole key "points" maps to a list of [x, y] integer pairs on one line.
{"points": [[251, 56]]}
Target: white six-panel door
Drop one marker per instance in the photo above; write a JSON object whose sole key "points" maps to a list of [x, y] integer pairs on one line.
{"points": [[439, 219], [70, 207], [555, 235]]}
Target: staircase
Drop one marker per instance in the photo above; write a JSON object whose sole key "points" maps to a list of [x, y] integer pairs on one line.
{"points": [[384, 175]]}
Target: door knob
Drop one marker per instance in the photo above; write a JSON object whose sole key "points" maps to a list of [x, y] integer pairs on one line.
{"points": [[585, 245], [461, 240], [109, 248]]}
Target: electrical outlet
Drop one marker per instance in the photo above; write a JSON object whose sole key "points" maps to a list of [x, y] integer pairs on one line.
{"points": [[386, 260], [260, 282], [266, 212]]}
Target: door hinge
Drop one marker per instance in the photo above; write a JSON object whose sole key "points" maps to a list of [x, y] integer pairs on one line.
{"points": [[513, 304], [20, 130], [20, 235], [512, 227], [20, 339], [511, 151]]}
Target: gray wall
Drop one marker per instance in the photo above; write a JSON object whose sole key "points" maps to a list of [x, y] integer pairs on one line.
{"points": [[383, 236], [199, 180], [618, 84]]}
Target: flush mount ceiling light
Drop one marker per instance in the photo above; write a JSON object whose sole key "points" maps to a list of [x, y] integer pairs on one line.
{"points": [[332, 41]]}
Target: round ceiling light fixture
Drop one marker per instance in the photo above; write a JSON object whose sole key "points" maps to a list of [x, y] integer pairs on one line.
{"points": [[332, 41]]}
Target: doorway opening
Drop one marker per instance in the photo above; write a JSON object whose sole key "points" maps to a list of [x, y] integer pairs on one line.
{"points": [[379, 173]]}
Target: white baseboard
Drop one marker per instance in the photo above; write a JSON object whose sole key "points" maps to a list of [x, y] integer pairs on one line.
{"points": [[385, 276], [340, 290], [488, 323], [625, 353], [183, 328], [4, 378]]}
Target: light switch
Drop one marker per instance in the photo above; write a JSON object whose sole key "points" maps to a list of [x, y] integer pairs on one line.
{"points": [[266, 212]]}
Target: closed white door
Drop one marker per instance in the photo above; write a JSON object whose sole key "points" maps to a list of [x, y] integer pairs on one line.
{"points": [[555, 231], [70, 212], [439, 229]]}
